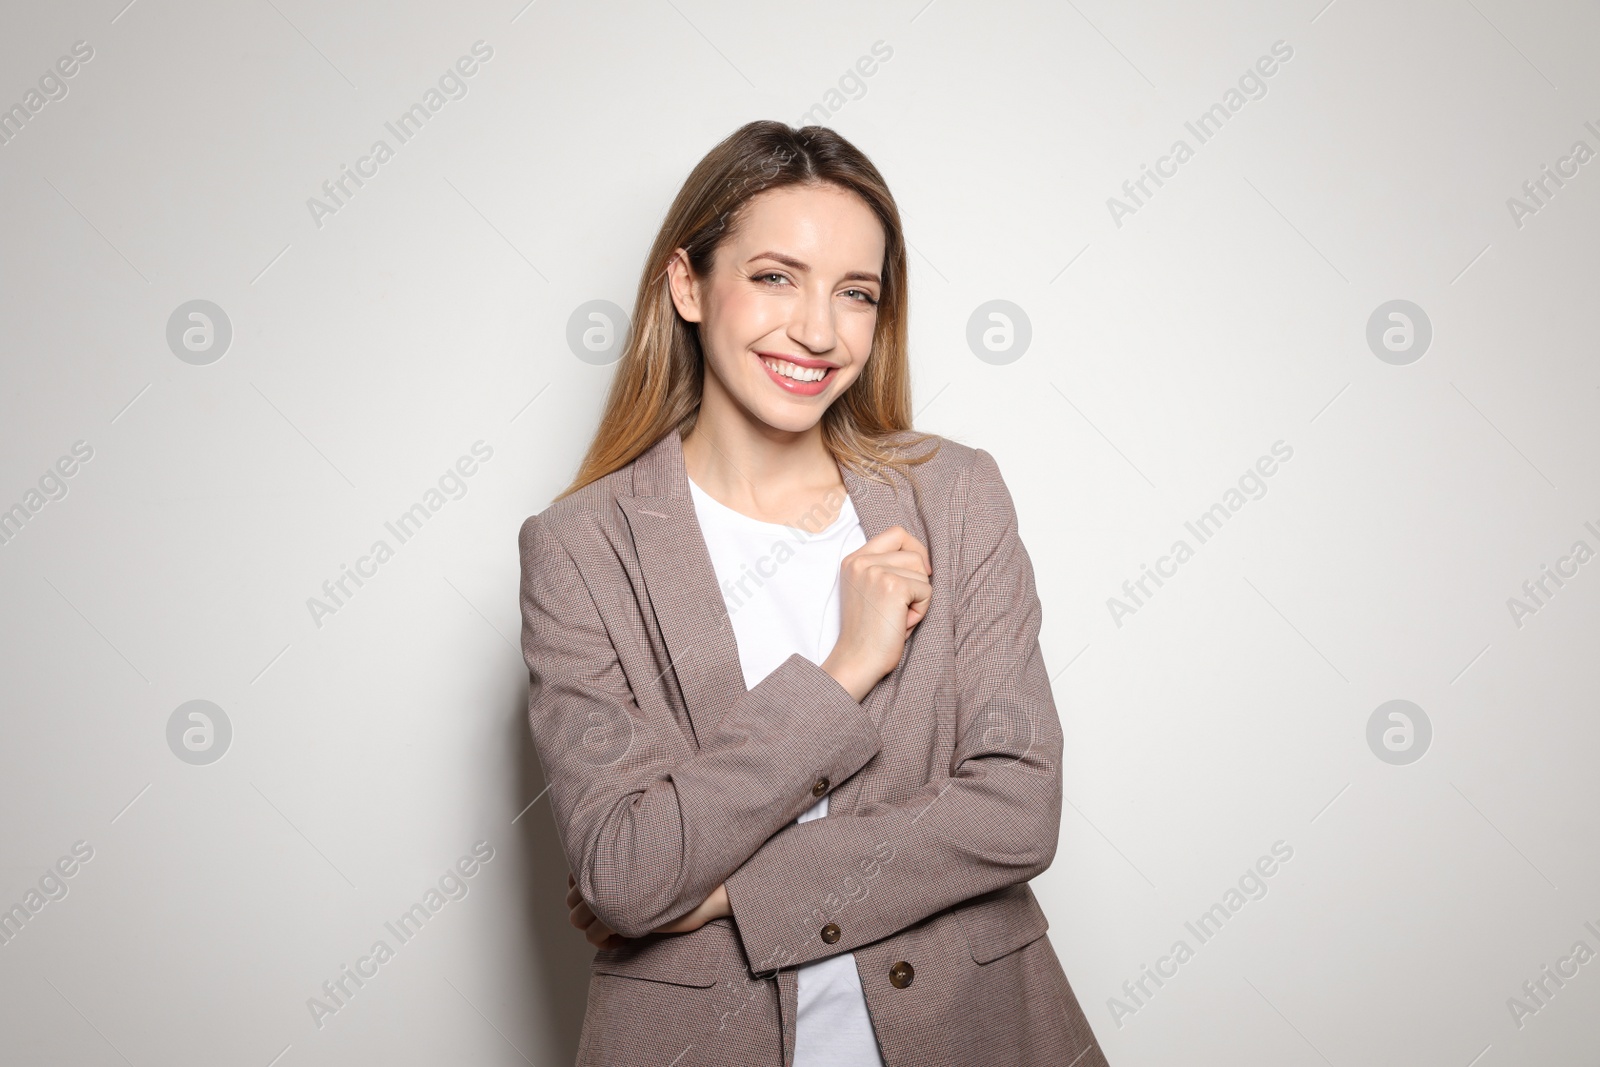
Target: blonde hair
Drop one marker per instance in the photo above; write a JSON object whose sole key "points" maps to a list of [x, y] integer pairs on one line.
{"points": [[657, 386]]}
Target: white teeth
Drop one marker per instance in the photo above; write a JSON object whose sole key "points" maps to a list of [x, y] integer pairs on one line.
{"points": [[799, 374]]}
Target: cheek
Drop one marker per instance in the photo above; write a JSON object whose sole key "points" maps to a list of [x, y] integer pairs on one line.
{"points": [[859, 329], [744, 317]]}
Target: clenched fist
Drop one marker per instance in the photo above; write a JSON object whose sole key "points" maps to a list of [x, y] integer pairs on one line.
{"points": [[884, 590]]}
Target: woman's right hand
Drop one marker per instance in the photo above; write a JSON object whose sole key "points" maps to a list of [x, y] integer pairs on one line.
{"points": [[884, 592]]}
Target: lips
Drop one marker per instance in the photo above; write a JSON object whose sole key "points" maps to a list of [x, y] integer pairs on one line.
{"points": [[798, 386]]}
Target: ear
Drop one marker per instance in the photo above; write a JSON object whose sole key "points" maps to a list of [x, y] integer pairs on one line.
{"points": [[684, 287]]}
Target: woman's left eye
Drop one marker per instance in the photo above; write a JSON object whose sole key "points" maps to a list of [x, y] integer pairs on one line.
{"points": [[865, 296]]}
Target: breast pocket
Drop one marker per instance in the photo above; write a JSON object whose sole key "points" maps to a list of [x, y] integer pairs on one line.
{"points": [[1003, 921], [699, 958]]}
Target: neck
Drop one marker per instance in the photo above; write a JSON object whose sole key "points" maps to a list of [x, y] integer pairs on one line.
{"points": [[755, 468]]}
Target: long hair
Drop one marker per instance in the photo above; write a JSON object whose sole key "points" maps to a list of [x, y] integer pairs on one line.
{"points": [[657, 387]]}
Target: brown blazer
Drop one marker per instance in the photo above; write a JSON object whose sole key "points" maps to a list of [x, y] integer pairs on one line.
{"points": [[666, 777]]}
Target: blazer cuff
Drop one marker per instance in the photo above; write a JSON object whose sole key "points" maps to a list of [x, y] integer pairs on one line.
{"points": [[811, 733]]}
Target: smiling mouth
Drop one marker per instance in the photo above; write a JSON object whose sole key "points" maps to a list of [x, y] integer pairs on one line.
{"points": [[795, 379], [795, 372]]}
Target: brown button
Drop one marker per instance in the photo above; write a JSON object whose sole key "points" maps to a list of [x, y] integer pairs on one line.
{"points": [[831, 933], [900, 974], [820, 787]]}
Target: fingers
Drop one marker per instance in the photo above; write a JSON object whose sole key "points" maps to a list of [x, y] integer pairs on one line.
{"points": [[904, 560], [600, 935], [914, 589], [583, 917], [917, 610], [901, 574], [898, 539], [913, 577], [866, 569]]}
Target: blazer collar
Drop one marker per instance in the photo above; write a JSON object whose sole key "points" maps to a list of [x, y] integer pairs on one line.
{"points": [[682, 584]]}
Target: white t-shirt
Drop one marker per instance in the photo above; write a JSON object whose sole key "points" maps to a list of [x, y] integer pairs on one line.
{"points": [[781, 587]]}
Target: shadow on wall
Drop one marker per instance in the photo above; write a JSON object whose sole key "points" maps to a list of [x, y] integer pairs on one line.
{"points": [[558, 956]]}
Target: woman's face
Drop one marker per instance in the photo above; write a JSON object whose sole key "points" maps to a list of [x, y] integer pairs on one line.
{"points": [[788, 312]]}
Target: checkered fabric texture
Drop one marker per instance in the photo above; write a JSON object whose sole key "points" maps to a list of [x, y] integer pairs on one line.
{"points": [[667, 777]]}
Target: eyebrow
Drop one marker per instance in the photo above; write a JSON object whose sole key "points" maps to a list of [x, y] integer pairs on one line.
{"points": [[795, 264]]}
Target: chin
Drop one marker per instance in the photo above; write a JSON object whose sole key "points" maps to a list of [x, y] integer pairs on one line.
{"points": [[789, 419], [791, 414]]}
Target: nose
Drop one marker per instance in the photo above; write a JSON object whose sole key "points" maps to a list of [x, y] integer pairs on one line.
{"points": [[812, 324]]}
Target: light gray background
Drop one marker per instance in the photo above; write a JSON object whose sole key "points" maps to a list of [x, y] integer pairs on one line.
{"points": [[1167, 354]]}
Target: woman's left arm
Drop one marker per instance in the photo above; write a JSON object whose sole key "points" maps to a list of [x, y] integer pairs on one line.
{"points": [[992, 822]]}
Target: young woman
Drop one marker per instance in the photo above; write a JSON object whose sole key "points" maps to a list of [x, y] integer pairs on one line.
{"points": [[786, 684]]}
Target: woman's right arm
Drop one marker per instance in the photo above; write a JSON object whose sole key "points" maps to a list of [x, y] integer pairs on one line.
{"points": [[649, 824]]}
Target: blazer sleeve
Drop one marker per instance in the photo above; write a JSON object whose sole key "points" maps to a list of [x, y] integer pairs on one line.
{"points": [[991, 822], [649, 824]]}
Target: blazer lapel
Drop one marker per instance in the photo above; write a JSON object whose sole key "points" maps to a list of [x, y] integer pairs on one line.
{"points": [[878, 506], [682, 584]]}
